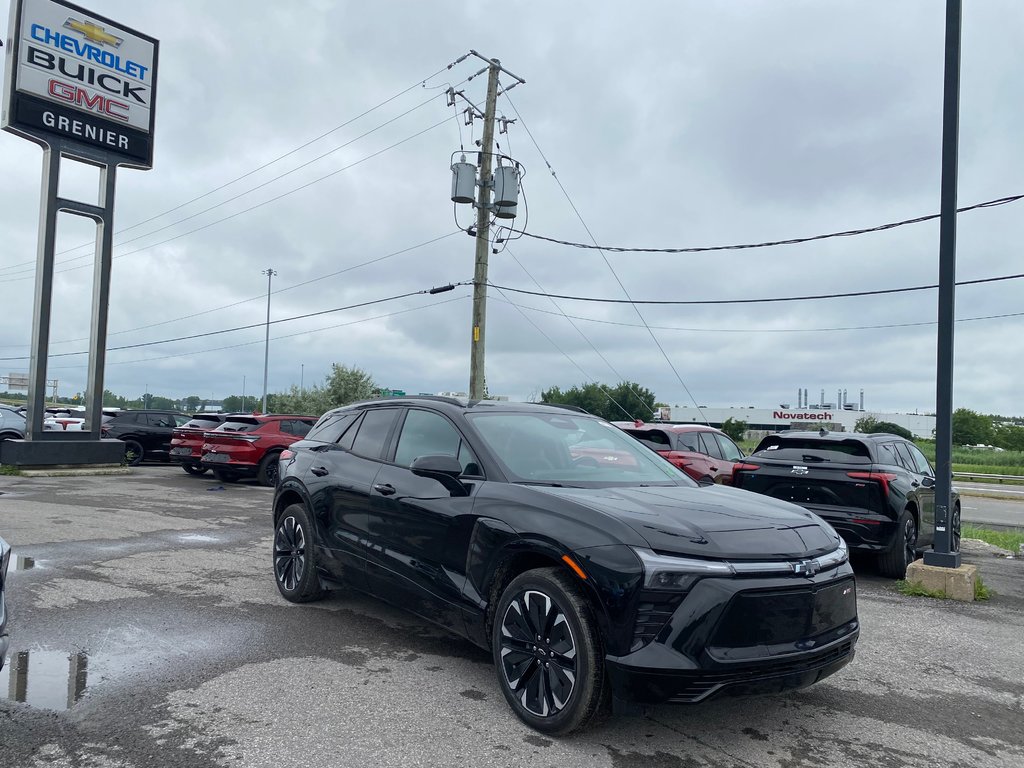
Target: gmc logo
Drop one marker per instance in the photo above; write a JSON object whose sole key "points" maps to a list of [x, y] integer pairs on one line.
{"points": [[80, 97]]}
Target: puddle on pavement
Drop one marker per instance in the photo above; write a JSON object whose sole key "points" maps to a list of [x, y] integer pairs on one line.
{"points": [[197, 537], [45, 679]]}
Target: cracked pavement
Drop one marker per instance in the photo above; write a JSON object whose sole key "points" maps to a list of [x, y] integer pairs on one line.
{"points": [[150, 633]]}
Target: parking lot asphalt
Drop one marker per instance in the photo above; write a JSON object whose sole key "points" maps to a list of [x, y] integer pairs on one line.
{"points": [[147, 631]]}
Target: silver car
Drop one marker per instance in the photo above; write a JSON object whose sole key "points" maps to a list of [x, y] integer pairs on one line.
{"points": [[12, 424]]}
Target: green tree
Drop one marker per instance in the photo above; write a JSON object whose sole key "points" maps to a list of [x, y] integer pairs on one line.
{"points": [[1009, 436], [865, 425], [734, 428], [971, 428], [624, 402], [343, 385], [893, 429], [192, 403]]}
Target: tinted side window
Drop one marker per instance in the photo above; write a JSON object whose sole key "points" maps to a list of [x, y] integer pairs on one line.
{"points": [[688, 441], [922, 463], [730, 451], [301, 428], [425, 433], [373, 432], [906, 458], [708, 444], [160, 420], [887, 454], [332, 428]]}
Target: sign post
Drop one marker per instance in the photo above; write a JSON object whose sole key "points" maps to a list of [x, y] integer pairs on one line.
{"points": [[83, 87]]}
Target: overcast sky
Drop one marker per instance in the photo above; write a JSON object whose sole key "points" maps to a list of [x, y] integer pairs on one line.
{"points": [[670, 124]]}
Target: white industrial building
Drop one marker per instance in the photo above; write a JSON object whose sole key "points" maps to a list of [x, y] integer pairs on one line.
{"points": [[837, 416]]}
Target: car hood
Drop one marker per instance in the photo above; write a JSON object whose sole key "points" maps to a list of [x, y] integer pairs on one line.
{"points": [[710, 521]]}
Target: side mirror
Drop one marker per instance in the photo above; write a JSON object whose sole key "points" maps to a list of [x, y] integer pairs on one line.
{"points": [[928, 482], [442, 467]]}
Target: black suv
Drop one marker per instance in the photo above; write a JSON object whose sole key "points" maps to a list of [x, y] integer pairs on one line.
{"points": [[146, 434], [592, 569], [877, 491]]}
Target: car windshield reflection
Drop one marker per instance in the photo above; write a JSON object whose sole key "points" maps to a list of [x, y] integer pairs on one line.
{"points": [[565, 449]]}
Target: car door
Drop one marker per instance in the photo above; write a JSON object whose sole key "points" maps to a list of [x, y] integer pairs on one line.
{"points": [[418, 528], [731, 453], [923, 483], [339, 480]]}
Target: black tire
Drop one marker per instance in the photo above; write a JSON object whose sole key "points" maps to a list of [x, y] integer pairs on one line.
{"points": [[295, 563], [902, 551], [535, 673], [133, 452], [954, 529], [193, 469], [225, 475], [267, 474]]}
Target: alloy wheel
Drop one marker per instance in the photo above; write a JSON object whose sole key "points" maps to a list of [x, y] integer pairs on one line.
{"points": [[538, 653], [289, 553], [955, 530], [910, 541]]}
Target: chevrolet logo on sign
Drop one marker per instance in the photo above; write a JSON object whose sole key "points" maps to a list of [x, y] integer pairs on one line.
{"points": [[93, 32]]}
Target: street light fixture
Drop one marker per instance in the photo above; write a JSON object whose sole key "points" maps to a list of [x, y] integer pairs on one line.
{"points": [[269, 272]]}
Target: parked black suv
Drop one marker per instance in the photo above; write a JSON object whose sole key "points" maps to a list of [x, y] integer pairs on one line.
{"points": [[146, 433], [877, 491], [589, 566]]}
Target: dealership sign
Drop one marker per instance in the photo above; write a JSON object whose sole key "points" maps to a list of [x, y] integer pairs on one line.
{"points": [[81, 78]]}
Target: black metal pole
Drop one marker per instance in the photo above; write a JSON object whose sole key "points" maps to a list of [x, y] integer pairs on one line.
{"points": [[942, 552]]}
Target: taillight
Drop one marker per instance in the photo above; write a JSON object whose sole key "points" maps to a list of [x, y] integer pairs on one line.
{"points": [[740, 467], [287, 455], [882, 478]]}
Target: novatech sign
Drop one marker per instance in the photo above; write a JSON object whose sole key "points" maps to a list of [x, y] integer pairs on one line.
{"points": [[806, 416], [80, 77]]}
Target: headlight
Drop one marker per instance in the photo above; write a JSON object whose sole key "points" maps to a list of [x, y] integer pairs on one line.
{"points": [[677, 573], [681, 573]]}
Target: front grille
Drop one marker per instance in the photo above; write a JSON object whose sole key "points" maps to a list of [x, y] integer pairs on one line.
{"points": [[653, 612], [694, 686], [785, 616]]}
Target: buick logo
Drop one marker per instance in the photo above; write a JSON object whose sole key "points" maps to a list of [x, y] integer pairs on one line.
{"points": [[806, 568], [799, 470]]}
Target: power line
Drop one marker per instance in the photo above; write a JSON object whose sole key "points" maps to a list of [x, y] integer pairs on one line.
{"points": [[255, 325], [274, 338], [253, 207], [608, 264], [760, 330], [261, 296], [695, 302], [767, 244], [290, 152]]}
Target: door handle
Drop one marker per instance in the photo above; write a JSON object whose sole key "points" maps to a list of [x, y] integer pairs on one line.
{"points": [[384, 489], [714, 468], [915, 483], [319, 471]]}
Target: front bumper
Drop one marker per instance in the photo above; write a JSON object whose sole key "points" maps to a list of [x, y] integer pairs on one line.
{"points": [[744, 636]]}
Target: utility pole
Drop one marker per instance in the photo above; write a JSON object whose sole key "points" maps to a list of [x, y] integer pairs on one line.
{"points": [[483, 226], [302, 379], [269, 272]]}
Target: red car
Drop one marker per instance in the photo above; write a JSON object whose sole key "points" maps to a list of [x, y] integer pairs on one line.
{"points": [[704, 453], [250, 446], [187, 440]]}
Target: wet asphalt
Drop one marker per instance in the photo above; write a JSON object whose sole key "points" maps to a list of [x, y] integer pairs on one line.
{"points": [[147, 631]]}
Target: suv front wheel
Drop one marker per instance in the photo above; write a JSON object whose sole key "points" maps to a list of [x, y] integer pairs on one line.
{"points": [[547, 651]]}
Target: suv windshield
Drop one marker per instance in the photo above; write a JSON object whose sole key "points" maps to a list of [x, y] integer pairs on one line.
{"points": [[569, 449]]}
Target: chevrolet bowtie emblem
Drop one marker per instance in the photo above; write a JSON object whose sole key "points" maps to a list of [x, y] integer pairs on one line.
{"points": [[93, 32]]}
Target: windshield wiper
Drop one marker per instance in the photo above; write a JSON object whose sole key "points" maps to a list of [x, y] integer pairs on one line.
{"points": [[547, 485], [811, 457]]}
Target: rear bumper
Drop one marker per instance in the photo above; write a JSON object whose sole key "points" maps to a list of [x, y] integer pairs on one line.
{"points": [[744, 636], [860, 529], [235, 468]]}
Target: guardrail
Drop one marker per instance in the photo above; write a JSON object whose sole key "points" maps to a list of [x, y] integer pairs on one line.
{"points": [[983, 476]]}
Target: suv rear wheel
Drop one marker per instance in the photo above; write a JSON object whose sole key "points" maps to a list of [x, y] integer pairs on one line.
{"points": [[267, 474], [133, 452], [295, 556], [903, 549]]}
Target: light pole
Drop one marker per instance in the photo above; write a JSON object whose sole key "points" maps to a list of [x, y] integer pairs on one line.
{"points": [[269, 272], [302, 379]]}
